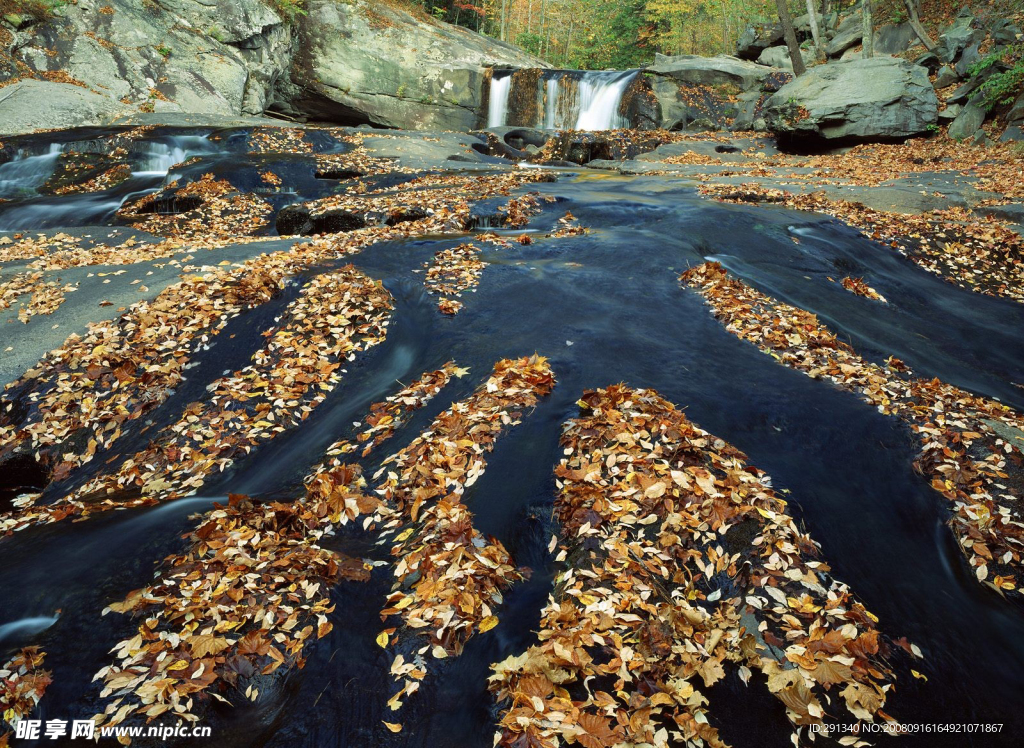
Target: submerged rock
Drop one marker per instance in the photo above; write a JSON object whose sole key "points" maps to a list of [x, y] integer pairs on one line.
{"points": [[879, 98]]}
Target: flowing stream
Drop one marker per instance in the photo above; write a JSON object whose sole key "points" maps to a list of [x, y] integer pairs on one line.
{"points": [[605, 307], [22, 177]]}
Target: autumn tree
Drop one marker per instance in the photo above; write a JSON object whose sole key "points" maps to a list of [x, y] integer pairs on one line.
{"points": [[790, 33], [868, 29], [812, 16]]}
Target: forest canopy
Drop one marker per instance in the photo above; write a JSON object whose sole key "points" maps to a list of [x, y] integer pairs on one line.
{"points": [[598, 34]]}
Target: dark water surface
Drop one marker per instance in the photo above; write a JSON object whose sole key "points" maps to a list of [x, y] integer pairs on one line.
{"points": [[604, 308]]}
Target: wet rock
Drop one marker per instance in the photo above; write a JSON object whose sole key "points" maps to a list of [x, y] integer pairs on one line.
{"points": [[863, 100], [298, 220], [969, 121]]}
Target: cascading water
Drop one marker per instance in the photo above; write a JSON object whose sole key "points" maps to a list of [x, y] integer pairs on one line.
{"points": [[159, 158], [497, 110], [22, 177], [566, 99], [600, 95], [27, 171]]}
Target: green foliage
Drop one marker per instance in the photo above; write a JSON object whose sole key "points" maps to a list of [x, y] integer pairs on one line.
{"points": [[1002, 87], [39, 10], [289, 10], [164, 50], [531, 42]]}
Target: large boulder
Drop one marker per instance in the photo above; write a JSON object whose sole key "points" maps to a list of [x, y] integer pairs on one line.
{"points": [[967, 122], [722, 70], [778, 57], [367, 62], [352, 62], [847, 38], [756, 39], [29, 105], [708, 93], [879, 98], [956, 38], [894, 39]]}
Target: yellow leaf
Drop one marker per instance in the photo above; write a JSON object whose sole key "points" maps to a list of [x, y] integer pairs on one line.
{"points": [[382, 638], [488, 623], [394, 727], [179, 665]]}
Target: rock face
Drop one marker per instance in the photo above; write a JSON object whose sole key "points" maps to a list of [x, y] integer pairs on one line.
{"points": [[710, 92], [166, 56], [710, 71], [365, 62], [877, 98], [30, 104], [351, 62]]}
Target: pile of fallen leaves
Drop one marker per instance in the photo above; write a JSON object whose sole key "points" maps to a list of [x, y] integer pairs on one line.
{"points": [[46, 296], [207, 207], [982, 255], [250, 592], [677, 558], [80, 395], [448, 577], [22, 684], [861, 288], [252, 589], [336, 316], [969, 444], [279, 140], [451, 272]]}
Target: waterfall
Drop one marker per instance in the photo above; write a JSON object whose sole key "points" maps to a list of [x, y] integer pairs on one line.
{"points": [[27, 171], [497, 108], [551, 108], [600, 96], [559, 99], [156, 158]]}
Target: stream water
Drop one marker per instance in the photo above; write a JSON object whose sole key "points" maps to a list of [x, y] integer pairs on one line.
{"points": [[605, 308]]}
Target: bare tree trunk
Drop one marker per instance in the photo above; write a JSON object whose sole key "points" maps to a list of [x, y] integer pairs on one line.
{"points": [[790, 34], [869, 29], [503, 33], [915, 23], [819, 48]]}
